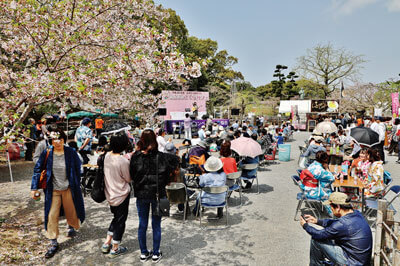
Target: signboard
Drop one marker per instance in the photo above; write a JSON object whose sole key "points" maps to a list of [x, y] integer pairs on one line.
{"points": [[324, 106], [182, 101], [395, 103]]}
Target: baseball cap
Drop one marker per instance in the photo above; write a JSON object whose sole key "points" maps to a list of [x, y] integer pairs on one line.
{"points": [[170, 148], [86, 121], [337, 198], [203, 126]]}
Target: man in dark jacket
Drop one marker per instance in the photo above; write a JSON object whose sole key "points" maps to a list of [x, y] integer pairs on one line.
{"points": [[344, 241]]}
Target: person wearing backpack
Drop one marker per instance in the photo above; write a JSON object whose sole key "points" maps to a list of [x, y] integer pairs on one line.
{"points": [[117, 192]]}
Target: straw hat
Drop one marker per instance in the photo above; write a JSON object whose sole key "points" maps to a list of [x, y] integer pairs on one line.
{"points": [[337, 198], [213, 164]]}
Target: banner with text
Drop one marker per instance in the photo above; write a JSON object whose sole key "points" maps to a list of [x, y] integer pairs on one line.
{"points": [[395, 103]]}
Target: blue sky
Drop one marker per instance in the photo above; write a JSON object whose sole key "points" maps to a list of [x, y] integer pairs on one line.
{"points": [[264, 33]]}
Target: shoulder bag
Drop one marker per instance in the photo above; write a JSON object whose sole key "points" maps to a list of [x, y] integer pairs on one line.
{"points": [[43, 174], [97, 193], [162, 208]]}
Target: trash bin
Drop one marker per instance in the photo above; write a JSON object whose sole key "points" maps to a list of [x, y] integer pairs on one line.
{"points": [[284, 152]]}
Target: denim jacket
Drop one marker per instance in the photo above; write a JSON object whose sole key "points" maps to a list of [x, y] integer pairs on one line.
{"points": [[213, 179], [351, 232]]}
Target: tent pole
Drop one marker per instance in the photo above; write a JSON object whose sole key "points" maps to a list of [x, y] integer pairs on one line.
{"points": [[9, 165]]}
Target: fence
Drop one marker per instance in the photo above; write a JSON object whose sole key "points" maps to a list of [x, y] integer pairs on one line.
{"points": [[387, 237]]}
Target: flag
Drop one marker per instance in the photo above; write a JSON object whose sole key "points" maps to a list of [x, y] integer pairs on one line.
{"points": [[341, 90]]}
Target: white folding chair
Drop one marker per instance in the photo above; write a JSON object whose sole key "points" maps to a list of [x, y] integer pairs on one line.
{"points": [[215, 191]]}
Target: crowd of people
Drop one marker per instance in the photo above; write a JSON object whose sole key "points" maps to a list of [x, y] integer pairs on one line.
{"points": [[148, 162], [346, 240]]}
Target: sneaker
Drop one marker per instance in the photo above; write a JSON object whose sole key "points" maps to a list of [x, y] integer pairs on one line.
{"points": [[71, 233], [105, 249], [120, 251], [145, 257], [156, 258], [51, 251]]}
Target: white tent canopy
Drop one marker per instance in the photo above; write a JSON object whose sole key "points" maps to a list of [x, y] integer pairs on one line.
{"points": [[304, 106]]}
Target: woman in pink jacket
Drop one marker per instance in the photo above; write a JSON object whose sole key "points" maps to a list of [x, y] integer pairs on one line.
{"points": [[117, 190]]}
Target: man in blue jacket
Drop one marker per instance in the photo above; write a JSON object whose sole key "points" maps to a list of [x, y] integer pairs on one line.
{"points": [[343, 241]]}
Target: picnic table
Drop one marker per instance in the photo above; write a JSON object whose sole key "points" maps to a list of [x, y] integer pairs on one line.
{"points": [[349, 183]]}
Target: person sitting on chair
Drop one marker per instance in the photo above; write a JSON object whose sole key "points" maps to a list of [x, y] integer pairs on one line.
{"points": [[312, 150], [215, 177], [343, 241], [319, 185]]}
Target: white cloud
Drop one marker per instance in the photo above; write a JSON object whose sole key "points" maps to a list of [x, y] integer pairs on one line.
{"points": [[394, 5], [347, 7]]}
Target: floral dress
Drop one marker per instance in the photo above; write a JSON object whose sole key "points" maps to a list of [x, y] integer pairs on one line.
{"points": [[374, 184], [325, 179]]}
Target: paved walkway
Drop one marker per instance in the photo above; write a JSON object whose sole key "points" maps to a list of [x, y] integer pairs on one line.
{"points": [[261, 232]]}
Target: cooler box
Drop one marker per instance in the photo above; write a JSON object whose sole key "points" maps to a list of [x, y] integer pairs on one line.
{"points": [[284, 152]]}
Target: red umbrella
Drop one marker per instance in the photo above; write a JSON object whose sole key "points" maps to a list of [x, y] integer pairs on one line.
{"points": [[246, 147]]}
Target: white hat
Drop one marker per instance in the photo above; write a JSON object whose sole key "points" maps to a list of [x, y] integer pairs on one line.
{"points": [[203, 126], [221, 128], [213, 164], [208, 133]]}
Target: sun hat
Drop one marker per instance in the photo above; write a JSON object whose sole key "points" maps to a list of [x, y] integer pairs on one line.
{"points": [[213, 164], [337, 198], [221, 128], [170, 148], [208, 133]]}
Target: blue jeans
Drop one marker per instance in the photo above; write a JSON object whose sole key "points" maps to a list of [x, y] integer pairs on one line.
{"points": [[143, 208], [320, 250]]}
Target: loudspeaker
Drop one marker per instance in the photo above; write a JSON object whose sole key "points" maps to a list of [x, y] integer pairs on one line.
{"points": [[162, 111], [235, 111]]}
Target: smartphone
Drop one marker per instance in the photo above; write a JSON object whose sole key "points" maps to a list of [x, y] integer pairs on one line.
{"points": [[302, 216]]}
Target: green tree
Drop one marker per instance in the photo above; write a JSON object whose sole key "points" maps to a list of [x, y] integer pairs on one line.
{"points": [[284, 86], [329, 66]]}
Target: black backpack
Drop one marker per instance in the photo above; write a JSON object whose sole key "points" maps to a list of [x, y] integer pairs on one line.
{"points": [[97, 192]]}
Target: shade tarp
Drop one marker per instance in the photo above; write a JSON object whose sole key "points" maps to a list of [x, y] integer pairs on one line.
{"points": [[81, 114]]}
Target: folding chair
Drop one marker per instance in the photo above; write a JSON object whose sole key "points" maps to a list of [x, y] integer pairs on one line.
{"points": [[250, 167], [372, 204], [233, 183], [271, 157], [177, 194], [215, 191], [301, 197], [299, 171]]}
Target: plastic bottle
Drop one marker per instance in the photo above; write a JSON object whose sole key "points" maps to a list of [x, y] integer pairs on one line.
{"points": [[37, 196]]}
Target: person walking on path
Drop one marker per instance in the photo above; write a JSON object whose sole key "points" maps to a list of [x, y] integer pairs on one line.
{"points": [[187, 125], [83, 138], [343, 241], [117, 190], [63, 191], [146, 175]]}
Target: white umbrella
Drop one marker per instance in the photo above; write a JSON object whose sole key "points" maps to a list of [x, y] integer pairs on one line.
{"points": [[326, 127]]}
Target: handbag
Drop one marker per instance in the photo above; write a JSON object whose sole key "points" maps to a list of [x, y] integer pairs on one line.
{"points": [[43, 174], [97, 193], [162, 207]]}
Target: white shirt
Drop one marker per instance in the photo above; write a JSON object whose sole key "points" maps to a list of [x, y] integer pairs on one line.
{"points": [[161, 143], [382, 131]]}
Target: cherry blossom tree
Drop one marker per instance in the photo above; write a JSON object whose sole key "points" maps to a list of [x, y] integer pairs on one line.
{"points": [[109, 52]]}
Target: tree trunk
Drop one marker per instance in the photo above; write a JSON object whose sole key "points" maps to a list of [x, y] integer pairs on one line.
{"points": [[21, 119]]}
